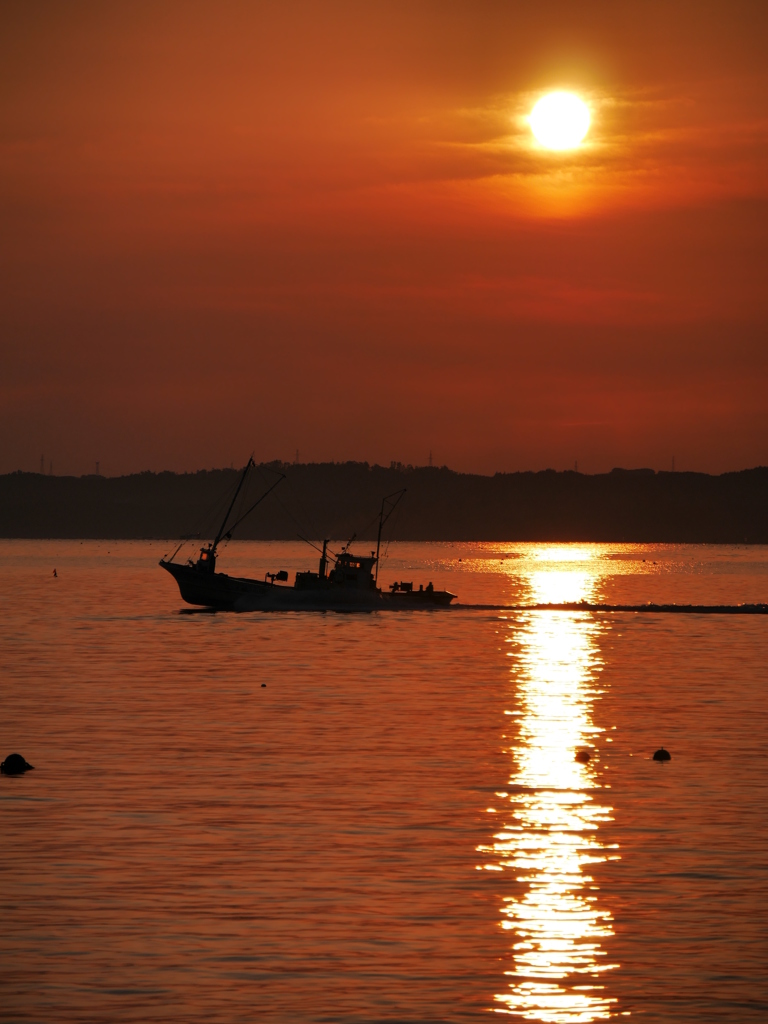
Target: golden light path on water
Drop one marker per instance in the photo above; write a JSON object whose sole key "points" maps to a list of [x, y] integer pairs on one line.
{"points": [[554, 805]]}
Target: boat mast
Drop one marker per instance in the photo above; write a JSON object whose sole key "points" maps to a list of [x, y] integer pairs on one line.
{"points": [[323, 560], [397, 495], [220, 534]]}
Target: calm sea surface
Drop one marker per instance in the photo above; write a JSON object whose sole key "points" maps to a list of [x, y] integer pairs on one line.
{"points": [[361, 818]]}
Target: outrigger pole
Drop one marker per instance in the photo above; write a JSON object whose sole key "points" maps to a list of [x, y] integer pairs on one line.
{"points": [[220, 534], [397, 495], [269, 490]]}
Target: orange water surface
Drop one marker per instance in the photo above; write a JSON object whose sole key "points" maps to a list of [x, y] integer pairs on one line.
{"points": [[382, 817]]}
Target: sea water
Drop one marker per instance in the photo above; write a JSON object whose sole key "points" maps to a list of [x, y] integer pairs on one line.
{"points": [[382, 817]]}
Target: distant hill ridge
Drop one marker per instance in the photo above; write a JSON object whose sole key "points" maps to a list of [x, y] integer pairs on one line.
{"points": [[338, 500]]}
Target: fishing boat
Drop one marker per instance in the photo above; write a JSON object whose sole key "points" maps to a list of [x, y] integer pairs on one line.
{"points": [[344, 581]]}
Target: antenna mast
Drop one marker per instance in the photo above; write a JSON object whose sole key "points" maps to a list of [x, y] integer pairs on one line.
{"points": [[396, 495]]}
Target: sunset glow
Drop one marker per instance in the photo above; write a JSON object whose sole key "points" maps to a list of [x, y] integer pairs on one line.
{"points": [[541, 234], [560, 120]]}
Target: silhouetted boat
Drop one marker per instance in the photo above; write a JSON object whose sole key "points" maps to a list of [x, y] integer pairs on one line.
{"points": [[343, 582]]}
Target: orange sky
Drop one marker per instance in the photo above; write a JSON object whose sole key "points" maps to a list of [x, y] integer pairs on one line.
{"points": [[271, 226]]}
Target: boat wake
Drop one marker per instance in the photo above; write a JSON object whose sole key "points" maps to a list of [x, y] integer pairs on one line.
{"points": [[585, 606]]}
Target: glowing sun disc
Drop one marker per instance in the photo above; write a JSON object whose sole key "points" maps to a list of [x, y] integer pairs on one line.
{"points": [[560, 120]]}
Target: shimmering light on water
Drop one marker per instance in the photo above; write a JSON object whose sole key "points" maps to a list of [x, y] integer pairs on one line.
{"points": [[563, 553], [550, 836]]}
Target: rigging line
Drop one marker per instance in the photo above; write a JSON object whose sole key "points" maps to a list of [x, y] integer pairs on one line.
{"points": [[240, 483], [373, 522], [316, 548], [288, 512], [391, 500], [395, 517], [394, 522], [256, 481], [212, 513], [244, 499], [396, 514], [248, 489], [256, 503], [308, 518], [391, 511]]}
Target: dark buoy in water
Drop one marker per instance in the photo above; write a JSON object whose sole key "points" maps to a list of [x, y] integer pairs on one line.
{"points": [[15, 764], [263, 685], [662, 755], [583, 756]]}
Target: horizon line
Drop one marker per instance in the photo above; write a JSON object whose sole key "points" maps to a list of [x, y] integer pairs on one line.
{"points": [[394, 466]]}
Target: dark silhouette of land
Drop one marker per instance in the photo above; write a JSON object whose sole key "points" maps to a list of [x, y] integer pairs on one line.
{"points": [[337, 500]]}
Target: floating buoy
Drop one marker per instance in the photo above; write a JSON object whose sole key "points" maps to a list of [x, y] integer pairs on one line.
{"points": [[15, 764], [582, 756], [263, 685], [662, 755]]}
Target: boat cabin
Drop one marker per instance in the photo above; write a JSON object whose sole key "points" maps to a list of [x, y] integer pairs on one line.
{"points": [[207, 560], [350, 571], [354, 571]]}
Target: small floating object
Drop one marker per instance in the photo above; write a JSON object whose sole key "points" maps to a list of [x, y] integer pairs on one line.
{"points": [[583, 756], [263, 685], [662, 755], [55, 573], [15, 764]]}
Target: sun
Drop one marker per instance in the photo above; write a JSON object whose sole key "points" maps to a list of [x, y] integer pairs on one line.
{"points": [[560, 120]]}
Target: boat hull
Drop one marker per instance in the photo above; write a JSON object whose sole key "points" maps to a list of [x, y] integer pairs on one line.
{"points": [[210, 589], [232, 593]]}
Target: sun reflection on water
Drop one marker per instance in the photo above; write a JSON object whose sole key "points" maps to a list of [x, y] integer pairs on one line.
{"points": [[553, 810]]}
